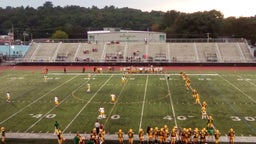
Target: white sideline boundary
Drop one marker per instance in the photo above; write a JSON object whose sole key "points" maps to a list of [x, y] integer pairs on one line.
{"points": [[70, 136], [119, 73]]}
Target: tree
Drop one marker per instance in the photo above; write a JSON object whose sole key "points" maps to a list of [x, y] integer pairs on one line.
{"points": [[59, 34]]}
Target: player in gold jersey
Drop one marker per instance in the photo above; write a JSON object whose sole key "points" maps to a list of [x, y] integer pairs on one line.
{"points": [[141, 136], [120, 136], [130, 136], [231, 135], [217, 135]]}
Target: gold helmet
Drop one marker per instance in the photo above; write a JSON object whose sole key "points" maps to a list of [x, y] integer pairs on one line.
{"points": [[130, 130]]}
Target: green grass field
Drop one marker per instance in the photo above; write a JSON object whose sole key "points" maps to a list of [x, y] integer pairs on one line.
{"points": [[145, 100]]}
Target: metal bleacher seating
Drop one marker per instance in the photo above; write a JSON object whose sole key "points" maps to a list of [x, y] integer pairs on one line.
{"points": [[140, 52]]}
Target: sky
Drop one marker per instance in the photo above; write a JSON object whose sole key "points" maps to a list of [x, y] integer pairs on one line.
{"points": [[236, 8]]}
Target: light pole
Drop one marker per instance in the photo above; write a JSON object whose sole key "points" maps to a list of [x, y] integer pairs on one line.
{"points": [[24, 36], [9, 50]]}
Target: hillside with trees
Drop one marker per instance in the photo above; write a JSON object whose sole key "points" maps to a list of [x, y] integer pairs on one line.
{"points": [[75, 21]]}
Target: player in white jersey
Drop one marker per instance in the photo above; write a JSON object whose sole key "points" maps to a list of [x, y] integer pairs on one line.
{"points": [[8, 97], [89, 76], [102, 112], [45, 78], [88, 87]]}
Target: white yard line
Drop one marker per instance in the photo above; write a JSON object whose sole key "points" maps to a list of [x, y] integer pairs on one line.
{"points": [[247, 81], [86, 105], [119, 96], [149, 74], [36, 100], [54, 107], [169, 93], [143, 105], [238, 89]]}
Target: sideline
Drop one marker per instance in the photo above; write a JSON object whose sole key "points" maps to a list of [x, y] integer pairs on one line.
{"points": [[70, 136]]}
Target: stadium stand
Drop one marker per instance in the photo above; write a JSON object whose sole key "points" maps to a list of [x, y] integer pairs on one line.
{"points": [[89, 52], [182, 52], [136, 52], [114, 52], [66, 52], [158, 51], [139, 52], [207, 52], [44, 51], [230, 52]]}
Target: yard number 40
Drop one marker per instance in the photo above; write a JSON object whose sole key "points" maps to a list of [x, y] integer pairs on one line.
{"points": [[41, 115]]}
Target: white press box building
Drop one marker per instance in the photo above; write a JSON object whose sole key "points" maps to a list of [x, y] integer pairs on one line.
{"points": [[116, 34]]}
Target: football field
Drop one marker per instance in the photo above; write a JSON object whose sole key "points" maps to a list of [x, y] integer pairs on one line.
{"points": [[144, 100]]}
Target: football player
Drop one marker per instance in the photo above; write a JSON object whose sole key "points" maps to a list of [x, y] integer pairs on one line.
{"points": [[231, 135], [120, 136], [56, 101], [113, 98], [130, 136]]}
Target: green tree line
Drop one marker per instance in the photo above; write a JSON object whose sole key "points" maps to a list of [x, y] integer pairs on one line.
{"points": [[44, 21]]}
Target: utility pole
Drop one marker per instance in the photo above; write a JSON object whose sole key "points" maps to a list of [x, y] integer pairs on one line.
{"points": [[208, 36]]}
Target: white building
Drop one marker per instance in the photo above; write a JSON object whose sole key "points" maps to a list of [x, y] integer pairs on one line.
{"points": [[116, 34]]}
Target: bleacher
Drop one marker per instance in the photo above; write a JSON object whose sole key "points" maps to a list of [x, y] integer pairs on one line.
{"points": [[182, 52], [114, 52], [172, 52], [89, 52], [136, 52], [66, 52], [207, 52]]}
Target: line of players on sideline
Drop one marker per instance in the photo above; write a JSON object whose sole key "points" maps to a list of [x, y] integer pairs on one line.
{"points": [[152, 136]]}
